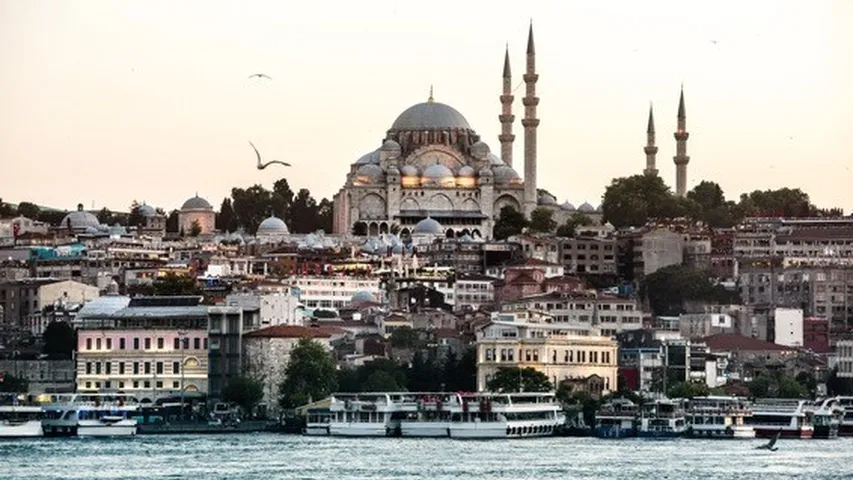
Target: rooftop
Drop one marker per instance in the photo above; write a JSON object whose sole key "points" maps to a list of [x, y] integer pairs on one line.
{"points": [[295, 331], [735, 342]]}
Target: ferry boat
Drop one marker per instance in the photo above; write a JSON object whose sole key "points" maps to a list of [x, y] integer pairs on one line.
{"points": [[790, 418], [616, 419], [373, 414], [662, 418], [827, 415], [505, 415], [317, 422], [718, 417], [91, 415], [846, 427], [18, 420]]}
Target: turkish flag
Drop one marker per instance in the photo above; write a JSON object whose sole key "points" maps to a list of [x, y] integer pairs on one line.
{"points": [[16, 229]]}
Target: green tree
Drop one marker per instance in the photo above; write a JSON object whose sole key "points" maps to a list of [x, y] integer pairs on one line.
{"points": [[6, 210], [175, 285], [282, 198], [325, 215], [226, 221], [172, 222], [107, 217], [423, 376], [712, 207], [359, 229], [310, 375], [510, 379], [633, 201], [195, 228], [459, 374], [52, 217], [348, 380], [838, 386], [244, 391], [772, 384], [687, 390], [668, 288], [784, 202], [542, 220], [510, 222], [13, 384], [381, 381], [135, 218], [303, 213], [60, 340], [251, 206], [404, 337], [29, 210], [569, 229]]}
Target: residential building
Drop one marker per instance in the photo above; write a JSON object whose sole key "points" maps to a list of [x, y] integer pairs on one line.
{"points": [[788, 327], [584, 310], [473, 291], [43, 376], [334, 292], [588, 255], [844, 355]]}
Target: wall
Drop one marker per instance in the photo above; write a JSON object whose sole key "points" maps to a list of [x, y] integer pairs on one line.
{"points": [[788, 325]]}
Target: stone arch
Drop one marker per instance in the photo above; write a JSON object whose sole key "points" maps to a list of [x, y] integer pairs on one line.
{"points": [[439, 201], [476, 233], [383, 227], [449, 233], [409, 203], [464, 232], [373, 229], [430, 154], [405, 232], [504, 201], [470, 205], [372, 206]]}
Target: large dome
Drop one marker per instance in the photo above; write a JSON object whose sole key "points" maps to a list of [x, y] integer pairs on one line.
{"points": [[196, 203], [80, 219], [428, 226], [147, 210], [430, 116], [272, 226]]}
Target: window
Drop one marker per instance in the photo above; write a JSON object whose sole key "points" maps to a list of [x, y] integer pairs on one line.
{"points": [[176, 367], [97, 344], [205, 343], [147, 368], [146, 384], [88, 368], [97, 368], [136, 343], [136, 368], [176, 385], [109, 344], [159, 368], [88, 384], [136, 384], [121, 345], [108, 384], [108, 368], [177, 344], [121, 368], [147, 344], [197, 343], [159, 384], [120, 384], [88, 344], [159, 343]]}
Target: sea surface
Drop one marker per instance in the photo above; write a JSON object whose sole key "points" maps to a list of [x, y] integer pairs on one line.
{"points": [[274, 456]]}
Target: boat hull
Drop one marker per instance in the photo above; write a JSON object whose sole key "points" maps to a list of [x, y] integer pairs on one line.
{"points": [[123, 428], [732, 432], [614, 432], [656, 434], [316, 430], [30, 428], [425, 429], [845, 430], [825, 431], [358, 430], [770, 432]]}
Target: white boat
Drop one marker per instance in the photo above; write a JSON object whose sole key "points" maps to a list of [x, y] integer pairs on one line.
{"points": [[790, 418], [373, 414], [827, 415], [718, 417], [18, 420], [504, 415], [846, 427], [317, 422], [91, 415], [616, 419], [662, 418]]}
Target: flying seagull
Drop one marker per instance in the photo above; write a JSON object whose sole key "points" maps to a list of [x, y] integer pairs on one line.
{"points": [[260, 75], [262, 166], [770, 445]]}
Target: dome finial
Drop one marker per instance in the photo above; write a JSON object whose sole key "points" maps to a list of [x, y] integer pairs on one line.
{"points": [[430, 99]]}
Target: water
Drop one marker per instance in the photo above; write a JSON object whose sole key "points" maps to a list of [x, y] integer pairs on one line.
{"points": [[272, 456]]}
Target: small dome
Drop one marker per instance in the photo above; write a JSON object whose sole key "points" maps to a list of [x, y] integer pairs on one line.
{"points": [[430, 116], [92, 230], [370, 157], [494, 159], [466, 171], [146, 210], [393, 170], [196, 203], [428, 226], [410, 171], [480, 150], [80, 219], [362, 296], [486, 172], [438, 176], [547, 199], [272, 226], [567, 206], [504, 174], [370, 173], [586, 207], [391, 146]]}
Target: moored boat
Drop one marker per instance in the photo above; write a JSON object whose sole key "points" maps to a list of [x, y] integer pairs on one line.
{"points": [[827, 415], [504, 415], [718, 417], [91, 415], [845, 429], [19, 420], [789, 417], [616, 419], [662, 418]]}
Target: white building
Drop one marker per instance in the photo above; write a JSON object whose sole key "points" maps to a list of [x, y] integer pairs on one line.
{"points": [[335, 292], [609, 314], [788, 325], [473, 291], [844, 358], [281, 308]]}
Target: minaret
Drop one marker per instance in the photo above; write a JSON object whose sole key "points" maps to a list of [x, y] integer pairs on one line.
{"points": [[681, 159], [650, 148], [530, 122], [506, 117]]}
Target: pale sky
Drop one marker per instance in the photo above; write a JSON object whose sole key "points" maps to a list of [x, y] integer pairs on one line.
{"points": [[105, 102]]}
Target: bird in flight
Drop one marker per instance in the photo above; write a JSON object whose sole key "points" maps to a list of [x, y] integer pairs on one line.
{"points": [[260, 75], [262, 165]]}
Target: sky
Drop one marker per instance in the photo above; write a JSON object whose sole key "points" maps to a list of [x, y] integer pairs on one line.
{"points": [[105, 102]]}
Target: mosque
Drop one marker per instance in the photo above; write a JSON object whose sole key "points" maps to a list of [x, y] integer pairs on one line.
{"points": [[434, 171]]}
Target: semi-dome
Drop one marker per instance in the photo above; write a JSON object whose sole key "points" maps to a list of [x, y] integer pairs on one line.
{"points": [[466, 171], [409, 171], [547, 199], [393, 170], [486, 172], [428, 226], [430, 116], [438, 175], [494, 159], [147, 210], [504, 174], [196, 203], [391, 147], [586, 207], [80, 219], [362, 296], [272, 226], [370, 173], [370, 157], [567, 206], [480, 150]]}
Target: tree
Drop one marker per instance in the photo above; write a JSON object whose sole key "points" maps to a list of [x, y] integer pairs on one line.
{"points": [[309, 376], [712, 207], [226, 221], [569, 229], [687, 390], [107, 217], [195, 228], [542, 220], [838, 386], [381, 381], [13, 384], [244, 391], [510, 379], [60, 340], [668, 288], [776, 385], [359, 229], [325, 215], [510, 222], [173, 285], [6, 210], [633, 201], [251, 206], [172, 222], [303, 213], [423, 376], [784, 202], [135, 219], [404, 337], [29, 210]]}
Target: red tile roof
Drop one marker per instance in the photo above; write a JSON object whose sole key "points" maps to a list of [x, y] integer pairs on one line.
{"points": [[728, 342], [295, 331]]}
